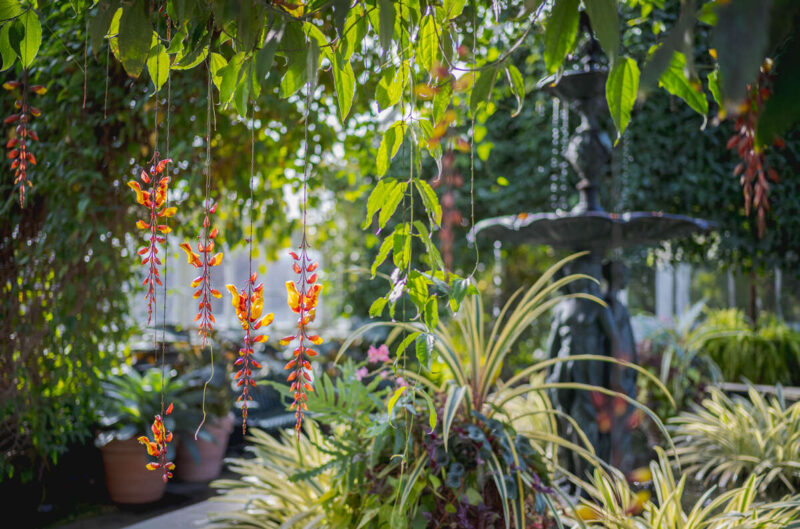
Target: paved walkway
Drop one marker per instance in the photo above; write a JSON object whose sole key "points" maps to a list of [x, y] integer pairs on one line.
{"points": [[193, 516]]}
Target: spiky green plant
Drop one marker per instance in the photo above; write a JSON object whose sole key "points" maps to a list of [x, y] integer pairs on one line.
{"points": [[268, 499], [725, 439], [613, 504]]}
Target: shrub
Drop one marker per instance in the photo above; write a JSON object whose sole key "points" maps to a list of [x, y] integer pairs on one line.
{"points": [[725, 439]]}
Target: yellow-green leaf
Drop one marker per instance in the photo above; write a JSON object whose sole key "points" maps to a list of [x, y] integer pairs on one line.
{"points": [[394, 398], [622, 86]]}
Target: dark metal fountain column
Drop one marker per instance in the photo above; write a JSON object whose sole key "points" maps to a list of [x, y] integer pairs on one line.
{"points": [[582, 326]]}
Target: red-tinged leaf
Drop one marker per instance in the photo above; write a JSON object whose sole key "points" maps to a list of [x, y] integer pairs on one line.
{"points": [[11, 119], [13, 154], [33, 135], [142, 225], [31, 158], [11, 143]]}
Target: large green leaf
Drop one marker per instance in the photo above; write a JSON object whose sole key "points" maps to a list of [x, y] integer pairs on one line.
{"points": [[427, 43], [517, 84], [344, 80], [453, 8], [430, 200], [740, 38], [158, 64], [674, 81], [390, 144], [560, 33], [622, 86], [6, 51], [605, 24], [26, 37], [135, 37], [98, 25], [9, 9], [386, 17], [482, 89]]}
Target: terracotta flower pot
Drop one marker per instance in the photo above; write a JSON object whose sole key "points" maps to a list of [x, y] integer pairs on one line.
{"points": [[203, 460], [127, 479]]}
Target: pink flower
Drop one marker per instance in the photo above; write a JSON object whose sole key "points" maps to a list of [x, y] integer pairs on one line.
{"points": [[401, 382], [384, 374], [378, 354], [361, 373]]}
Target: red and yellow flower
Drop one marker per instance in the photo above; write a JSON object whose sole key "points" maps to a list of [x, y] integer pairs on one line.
{"points": [[249, 305], [204, 261], [155, 201], [303, 302], [18, 145], [158, 446]]}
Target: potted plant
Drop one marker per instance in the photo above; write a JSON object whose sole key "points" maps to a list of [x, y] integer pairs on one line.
{"points": [[129, 402], [201, 449]]}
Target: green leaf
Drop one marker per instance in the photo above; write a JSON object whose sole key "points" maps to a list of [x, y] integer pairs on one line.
{"points": [[394, 398], [441, 102], [376, 309], [423, 351], [297, 62], [451, 405], [135, 37], [430, 200], [241, 97], [405, 343], [416, 471], [390, 143], [560, 33], [431, 313], [713, 87], [30, 31], [453, 8], [98, 25], [376, 199], [482, 89], [216, 64], [605, 24], [158, 64], [392, 201], [341, 9], [674, 81], [264, 59], [230, 75], [622, 86], [427, 43], [383, 253], [344, 81], [432, 418], [390, 87], [6, 51], [10, 9], [356, 28], [402, 246], [517, 84], [386, 17]]}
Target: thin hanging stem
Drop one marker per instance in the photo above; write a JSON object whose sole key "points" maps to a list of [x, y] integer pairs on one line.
{"points": [[206, 206], [166, 235], [472, 144]]}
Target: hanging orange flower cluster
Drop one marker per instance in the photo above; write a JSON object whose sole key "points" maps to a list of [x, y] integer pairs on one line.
{"points": [[158, 446], [249, 304], [205, 247], [304, 304], [17, 146], [154, 200]]}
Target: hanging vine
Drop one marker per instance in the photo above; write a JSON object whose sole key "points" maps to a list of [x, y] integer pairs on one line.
{"points": [[19, 145], [303, 297], [249, 305]]}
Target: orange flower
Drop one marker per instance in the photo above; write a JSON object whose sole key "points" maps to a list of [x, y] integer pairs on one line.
{"points": [[303, 302], [158, 446], [19, 145], [157, 210], [249, 308]]}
